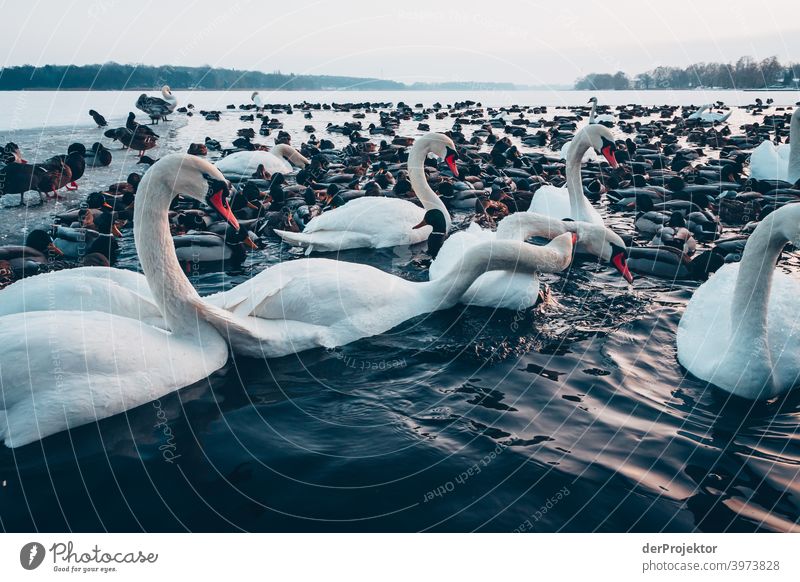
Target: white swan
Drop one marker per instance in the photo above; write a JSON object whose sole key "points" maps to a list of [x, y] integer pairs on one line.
{"points": [[256, 98], [603, 118], [512, 290], [741, 329], [371, 222], [569, 201], [768, 162], [342, 302], [711, 116], [244, 164], [63, 369]]}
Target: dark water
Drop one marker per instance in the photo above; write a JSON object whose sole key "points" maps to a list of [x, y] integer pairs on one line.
{"points": [[575, 417]]}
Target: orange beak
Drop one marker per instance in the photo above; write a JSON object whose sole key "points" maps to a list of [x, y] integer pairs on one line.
{"points": [[55, 250], [420, 225], [610, 156], [620, 265], [249, 242], [220, 203]]}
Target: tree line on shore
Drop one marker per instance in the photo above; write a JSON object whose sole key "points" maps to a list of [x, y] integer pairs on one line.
{"points": [[746, 73], [115, 76]]}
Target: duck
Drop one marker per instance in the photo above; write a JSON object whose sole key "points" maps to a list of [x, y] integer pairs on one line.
{"points": [[27, 259], [107, 363], [570, 201], [98, 119], [669, 262], [138, 128], [158, 108], [134, 141], [372, 222], [18, 178], [738, 331], [770, 162], [280, 158], [12, 154], [97, 156], [199, 250], [500, 289], [74, 161], [75, 242]]}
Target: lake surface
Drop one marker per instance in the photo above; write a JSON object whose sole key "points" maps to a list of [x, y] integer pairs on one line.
{"points": [[576, 418]]}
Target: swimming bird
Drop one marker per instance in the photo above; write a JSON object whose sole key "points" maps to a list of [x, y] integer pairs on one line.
{"points": [[107, 363], [320, 302], [602, 118], [710, 117], [158, 107], [770, 162], [739, 331], [256, 98], [279, 159], [570, 201], [520, 291], [27, 259], [372, 222]]}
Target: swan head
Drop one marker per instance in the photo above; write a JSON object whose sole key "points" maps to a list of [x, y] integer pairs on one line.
{"points": [[592, 100], [254, 95], [441, 146], [602, 141], [195, 178], [166, 91], [603, 243]]}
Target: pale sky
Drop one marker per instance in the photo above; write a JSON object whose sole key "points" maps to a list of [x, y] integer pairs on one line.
{"points": [[520, 41]]}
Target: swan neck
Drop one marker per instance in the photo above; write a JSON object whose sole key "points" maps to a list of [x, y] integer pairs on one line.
{"points": [[754, 281], [593, 113], [579, 204], [419, 182], [499, 255], [171, 289], [793, 173]]}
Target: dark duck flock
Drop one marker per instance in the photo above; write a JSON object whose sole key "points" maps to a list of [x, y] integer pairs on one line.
{"points": [[502, 208]]}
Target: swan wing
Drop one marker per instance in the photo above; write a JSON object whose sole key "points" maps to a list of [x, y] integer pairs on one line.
{"points": [[113, 291], [371, 221], [243, 164], [551, 201], [90, 366], [766, 163]]}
